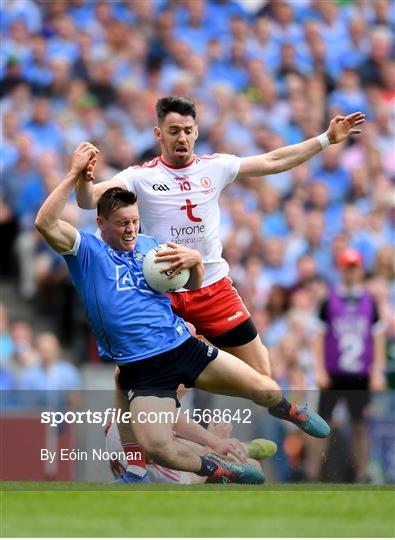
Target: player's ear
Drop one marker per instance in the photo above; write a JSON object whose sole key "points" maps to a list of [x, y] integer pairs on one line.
{"points": [[100, 222], [157, 133], [196, 132]]}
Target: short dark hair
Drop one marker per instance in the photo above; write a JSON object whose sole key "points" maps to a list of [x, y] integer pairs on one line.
{"points": [[114, 198], [177, 104]]}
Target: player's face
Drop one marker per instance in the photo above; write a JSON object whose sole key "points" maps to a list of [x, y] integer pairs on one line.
{"points": [[121, 228], [177, 135]]}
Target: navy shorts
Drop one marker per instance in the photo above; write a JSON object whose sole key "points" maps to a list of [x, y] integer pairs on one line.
{"points": [[161, 375]]}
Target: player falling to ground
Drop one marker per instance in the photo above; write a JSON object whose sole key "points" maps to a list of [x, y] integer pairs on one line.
{"points": [[195, 434], [349, 357], [136, 328], [216, 438], [178, 194]]}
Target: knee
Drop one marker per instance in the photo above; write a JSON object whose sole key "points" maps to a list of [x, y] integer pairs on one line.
{"points": [[267, 392]]}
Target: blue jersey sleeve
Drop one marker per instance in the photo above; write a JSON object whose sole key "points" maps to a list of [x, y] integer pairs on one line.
{"points": [[80, 257]]}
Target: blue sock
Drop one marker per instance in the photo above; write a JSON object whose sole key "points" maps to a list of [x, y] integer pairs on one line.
{"points": [[208, 467], [281, 410]]}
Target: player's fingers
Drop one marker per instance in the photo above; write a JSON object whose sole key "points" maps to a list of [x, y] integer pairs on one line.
{"points": [[355, 120], [355, 131], [85, 151], [355, 115], [86, 144], [164, 253], [165, 270], [169, 259], [174, 270], [231, 457], [239, 449]]}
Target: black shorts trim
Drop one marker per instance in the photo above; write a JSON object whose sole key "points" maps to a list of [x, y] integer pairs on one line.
{"points": [[237, 336], [162, 374], [353, 390]]}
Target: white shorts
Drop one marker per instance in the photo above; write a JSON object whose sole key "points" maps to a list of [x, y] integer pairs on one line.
{"points": [[156, 473]]}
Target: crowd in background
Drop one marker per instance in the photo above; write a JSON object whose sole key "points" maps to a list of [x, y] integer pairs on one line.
{"points": [[263, 75]]}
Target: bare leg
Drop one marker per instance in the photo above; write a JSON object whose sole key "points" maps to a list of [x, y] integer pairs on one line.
{"points": [[228, 375], [157, 439], [254, 353]]}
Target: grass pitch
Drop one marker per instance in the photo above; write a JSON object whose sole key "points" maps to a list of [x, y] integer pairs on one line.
{"points": [[80, 510]]}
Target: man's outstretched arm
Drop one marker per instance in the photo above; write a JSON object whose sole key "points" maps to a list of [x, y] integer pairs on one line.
{"points": [[59, 234], [87, 193], [288, 157]]}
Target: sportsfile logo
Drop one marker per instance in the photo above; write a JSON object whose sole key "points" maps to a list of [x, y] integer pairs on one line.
{"points": [[235, 316]]}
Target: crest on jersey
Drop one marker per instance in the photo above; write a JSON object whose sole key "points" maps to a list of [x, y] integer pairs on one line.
{"points": [[138, 255], [206, 182], [207, 185]]}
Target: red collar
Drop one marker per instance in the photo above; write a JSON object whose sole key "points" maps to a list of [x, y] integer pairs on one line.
{"points": [[181, 166]]}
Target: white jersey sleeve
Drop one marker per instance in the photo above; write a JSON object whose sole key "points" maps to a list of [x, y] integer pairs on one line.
{"points": [[231, 167], [128, 177], [74, 250]]}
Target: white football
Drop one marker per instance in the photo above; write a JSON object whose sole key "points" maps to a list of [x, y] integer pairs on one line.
{"points": [[161, 282]]}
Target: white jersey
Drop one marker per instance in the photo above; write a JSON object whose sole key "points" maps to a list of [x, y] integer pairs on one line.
{"points": [[181, 205]]}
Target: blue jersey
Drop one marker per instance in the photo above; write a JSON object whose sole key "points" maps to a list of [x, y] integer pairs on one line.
{"points": [[130, 320]]}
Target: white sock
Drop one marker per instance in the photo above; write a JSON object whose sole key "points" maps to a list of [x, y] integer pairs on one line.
{"points": [[138, 471]]}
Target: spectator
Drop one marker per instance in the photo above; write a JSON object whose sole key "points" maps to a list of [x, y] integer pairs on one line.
{"points": [[350, 357], [276, 308], [6, 342], [381, 44], [24, 353], [333, 175], [44, 132], [52, 380]]}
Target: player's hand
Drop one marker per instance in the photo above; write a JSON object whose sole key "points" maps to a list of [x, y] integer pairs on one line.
{"points": [[179, 257], [221, 429], [88, 174], [233, 449], [341, 127], [84, 160], [323, 379], [377, 382]]}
